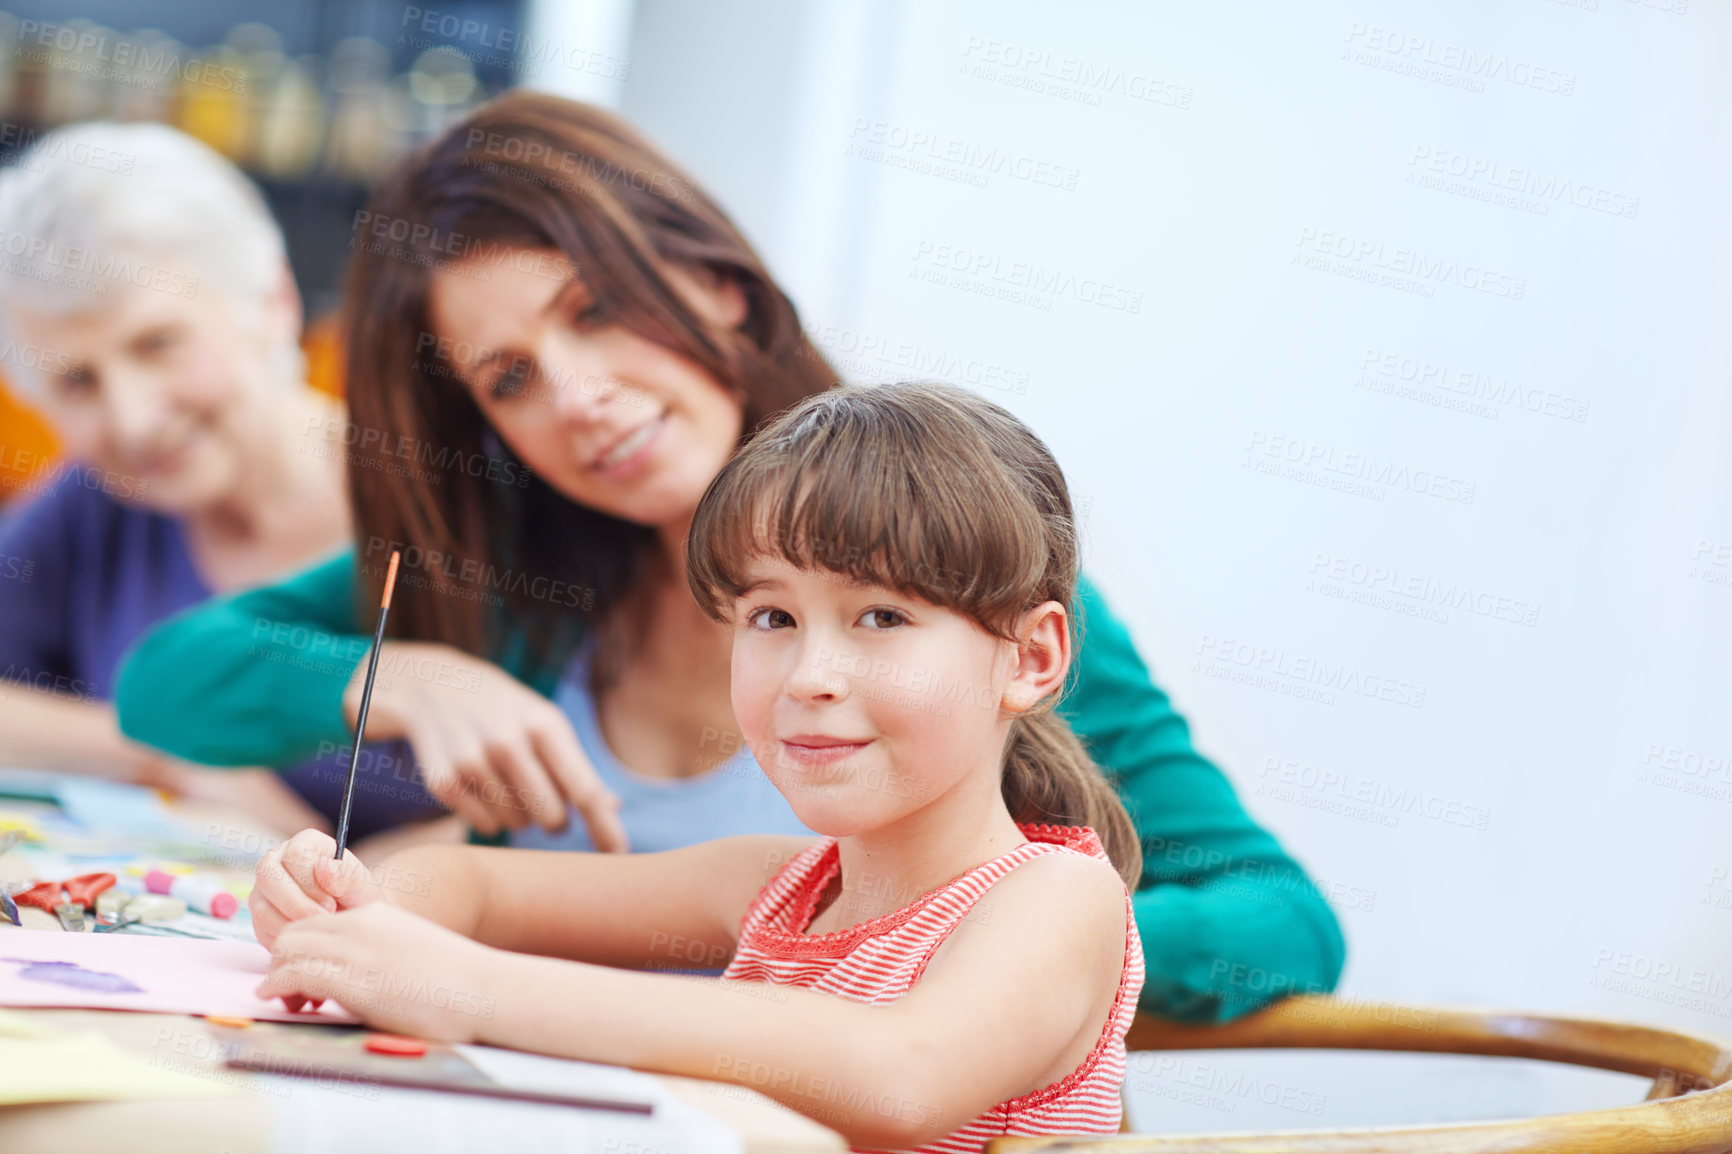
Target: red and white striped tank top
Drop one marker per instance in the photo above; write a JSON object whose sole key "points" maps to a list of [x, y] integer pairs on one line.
{"points": [[879, 961]]}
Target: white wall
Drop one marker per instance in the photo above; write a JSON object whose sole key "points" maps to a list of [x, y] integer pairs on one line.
{"points": [[1244, 175], [578, 49]]}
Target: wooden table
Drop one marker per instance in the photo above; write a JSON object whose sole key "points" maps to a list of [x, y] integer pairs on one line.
{"points": [[244, 1123]]}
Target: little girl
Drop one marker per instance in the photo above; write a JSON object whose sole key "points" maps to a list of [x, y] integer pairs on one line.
{"points": [[955, 959]]}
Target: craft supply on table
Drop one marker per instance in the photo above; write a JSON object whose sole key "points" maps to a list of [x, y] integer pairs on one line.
{"points": [[164, 916], [14, 1025], [148, 913], [116, 806], [89, 1067], [386, 1060], [132, 910], [195, 925], [30, 784], [202, 894], [395, 1046], [127, 971], [67, 900], [89, 816], [93, 805]]}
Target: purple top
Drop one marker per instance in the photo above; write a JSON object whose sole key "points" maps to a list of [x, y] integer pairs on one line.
{"points": [[83, 575]]}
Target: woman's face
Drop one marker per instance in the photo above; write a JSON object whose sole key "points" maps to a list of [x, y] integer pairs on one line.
{"points": [[171, 393], [608, 418]]}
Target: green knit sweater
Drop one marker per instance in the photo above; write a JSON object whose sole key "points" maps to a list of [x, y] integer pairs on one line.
{"points": [[1228, 920]]}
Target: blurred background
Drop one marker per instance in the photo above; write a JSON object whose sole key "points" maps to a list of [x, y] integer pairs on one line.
{"points": [[1384, 344]]}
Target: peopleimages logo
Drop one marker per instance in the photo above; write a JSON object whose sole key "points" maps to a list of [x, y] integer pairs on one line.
{"points": [[1420, 590], [881, 140], [86, 269], [1365, 474], [45, 471], [881, 359], [1067, 77], [37, 358], [1463, 388], [1369, 256], [1379, 799], [375, 449], [1545, 188], [1020, 281], [1298, 675], [529, 51], [55, 146], [1712, 562], [91, 52], [1427, 58]]}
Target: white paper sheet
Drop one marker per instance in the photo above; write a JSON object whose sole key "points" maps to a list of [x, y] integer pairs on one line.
{"points": [[384, 1120]]}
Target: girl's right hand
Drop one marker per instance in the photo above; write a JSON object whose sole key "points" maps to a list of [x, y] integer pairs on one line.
{"points": [[301, 878], [489, 748]]}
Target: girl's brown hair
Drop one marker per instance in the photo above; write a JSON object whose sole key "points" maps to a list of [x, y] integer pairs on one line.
{"points": [[427, 472], [939, 494]]}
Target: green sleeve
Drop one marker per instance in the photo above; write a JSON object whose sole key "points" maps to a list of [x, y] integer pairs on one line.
{"points": [[1228, 921], [256, 678]]}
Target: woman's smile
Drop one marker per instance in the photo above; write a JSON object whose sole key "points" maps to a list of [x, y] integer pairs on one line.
{"points": [[166, 460], [631, 451]]}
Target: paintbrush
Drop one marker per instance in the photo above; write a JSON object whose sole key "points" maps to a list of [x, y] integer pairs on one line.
{"points": [[366, 699]]}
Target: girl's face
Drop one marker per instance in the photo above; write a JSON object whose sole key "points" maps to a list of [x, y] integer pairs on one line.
{"points": [[864, 705], [171, 394], [609, 419]]}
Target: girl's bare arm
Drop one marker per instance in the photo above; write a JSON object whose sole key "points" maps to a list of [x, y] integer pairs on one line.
{"points": [[1013, 1001], [675, 910]]}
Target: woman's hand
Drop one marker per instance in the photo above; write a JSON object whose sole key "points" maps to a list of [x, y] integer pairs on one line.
{"points": [[489, 747], [302, 879], [394, 970]]}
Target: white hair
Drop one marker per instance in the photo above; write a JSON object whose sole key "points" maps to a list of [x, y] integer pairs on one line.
{"points": [[90, 208]]}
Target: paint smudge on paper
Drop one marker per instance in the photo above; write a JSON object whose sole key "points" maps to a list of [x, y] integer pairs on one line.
{"points": [[74, 976]]}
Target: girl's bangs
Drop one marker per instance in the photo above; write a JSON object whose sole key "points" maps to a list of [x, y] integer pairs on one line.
{"points": [[862, 500]]}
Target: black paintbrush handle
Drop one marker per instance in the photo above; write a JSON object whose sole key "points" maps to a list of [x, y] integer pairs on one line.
{"points": [[360, 732]]}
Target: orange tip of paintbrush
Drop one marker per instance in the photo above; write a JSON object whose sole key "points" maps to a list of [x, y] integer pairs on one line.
{"points": [[390, 580]]}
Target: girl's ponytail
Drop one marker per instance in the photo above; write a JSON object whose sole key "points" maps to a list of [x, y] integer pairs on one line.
{"points": [[1050, 778]]}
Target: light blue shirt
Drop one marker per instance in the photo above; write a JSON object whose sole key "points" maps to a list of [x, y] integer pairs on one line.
{"points": [[663, 813]]}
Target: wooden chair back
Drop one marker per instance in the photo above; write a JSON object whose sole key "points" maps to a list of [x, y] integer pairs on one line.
{"points": [[1688, 1108]]}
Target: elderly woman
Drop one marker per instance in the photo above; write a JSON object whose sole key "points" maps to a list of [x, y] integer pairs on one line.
{"points": [[147, 309]]}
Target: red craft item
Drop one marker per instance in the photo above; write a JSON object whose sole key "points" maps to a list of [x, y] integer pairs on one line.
{"points": [[396, 1047]]}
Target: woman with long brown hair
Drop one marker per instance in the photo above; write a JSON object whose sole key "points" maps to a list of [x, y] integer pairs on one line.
{"points": [[555, 342]]}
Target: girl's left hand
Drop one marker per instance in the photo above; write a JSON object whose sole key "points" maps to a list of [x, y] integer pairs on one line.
{"points": [[393, 969]]}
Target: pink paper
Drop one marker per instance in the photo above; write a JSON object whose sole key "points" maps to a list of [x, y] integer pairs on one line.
{"points": [[136, 972]]}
